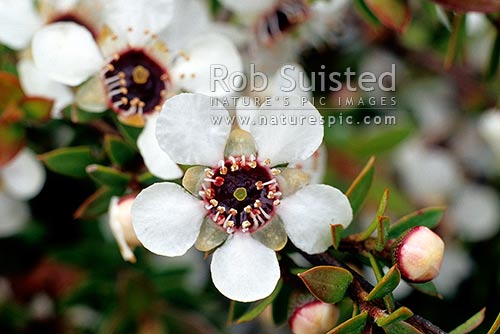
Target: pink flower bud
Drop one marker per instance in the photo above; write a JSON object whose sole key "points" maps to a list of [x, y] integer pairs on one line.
{"points": [[120, 220], [314, 317], [419, 254]]}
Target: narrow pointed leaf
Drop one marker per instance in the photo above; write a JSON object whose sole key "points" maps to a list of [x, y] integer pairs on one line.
{"points": [[327, 283], [118, 151], [130, 133], [382, 232], [429, 217], [401, 314], [358, 190], [427, 288], [69, 161], [388, 283], [355, 325], [492, 69], [108, 176], [366, 12], [96, 204], [496, 325], [12, 140], [255, 311], [401, 328], [470, 324]]}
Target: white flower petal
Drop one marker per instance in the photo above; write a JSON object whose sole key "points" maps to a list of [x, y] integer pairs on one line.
{"points": [[246, 110], [167, 219], [186, 129], [295, 139], [291, 79], [144, 17], [14, 213], [315, 165], [66, 52], [157, 161], [18, 22], [245, 270], [193, 71], [24, 176], [183, 27], [308, 213], [36, 83], [245, 8]]}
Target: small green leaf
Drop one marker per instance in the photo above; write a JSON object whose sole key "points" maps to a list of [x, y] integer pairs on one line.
{"points": [[108, 176], [496, 325], [36, 108], [255, 311], [382, 232], [77, 115], [337, 231], [429, 217], [492, 69], [281, 304], [358, 190], [401, 328], [118, 151], [355, 325], [394, 14], [401, 314], [96, 204], [470, 324], [388, 283], [69, 161], [327, 283], [427, 288]]}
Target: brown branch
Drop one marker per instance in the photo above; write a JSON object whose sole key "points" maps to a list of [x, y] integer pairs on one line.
{"points": [[360, 287]]}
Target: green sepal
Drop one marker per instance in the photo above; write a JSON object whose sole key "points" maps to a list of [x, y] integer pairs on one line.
{"points": [[130, 133], [36, 109], [77, 115], [69, 161], [327, 283]]}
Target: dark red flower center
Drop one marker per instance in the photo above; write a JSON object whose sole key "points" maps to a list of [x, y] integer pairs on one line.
{"points": [[241, 194], [283, 17], [135, 83]]}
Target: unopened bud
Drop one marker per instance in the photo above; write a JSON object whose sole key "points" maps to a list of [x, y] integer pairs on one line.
{"points": [[120, 220], [419, 254], [314, 317]]}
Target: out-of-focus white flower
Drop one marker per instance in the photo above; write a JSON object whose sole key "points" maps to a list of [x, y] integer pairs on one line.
{"points": [[41, 306], [120, 221], [21, 179], [419, 254], [475, 213], [428, 175], [457, 266], [132, 71], [237, 199], [489, 128], [314, 317], [433, 105]]}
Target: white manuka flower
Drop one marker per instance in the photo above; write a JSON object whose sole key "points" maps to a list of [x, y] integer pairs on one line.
{"points": [[235, 199], [21, 179], [131, 69]]}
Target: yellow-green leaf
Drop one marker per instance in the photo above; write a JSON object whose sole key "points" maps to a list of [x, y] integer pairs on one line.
{"points": [[327, 283]]}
